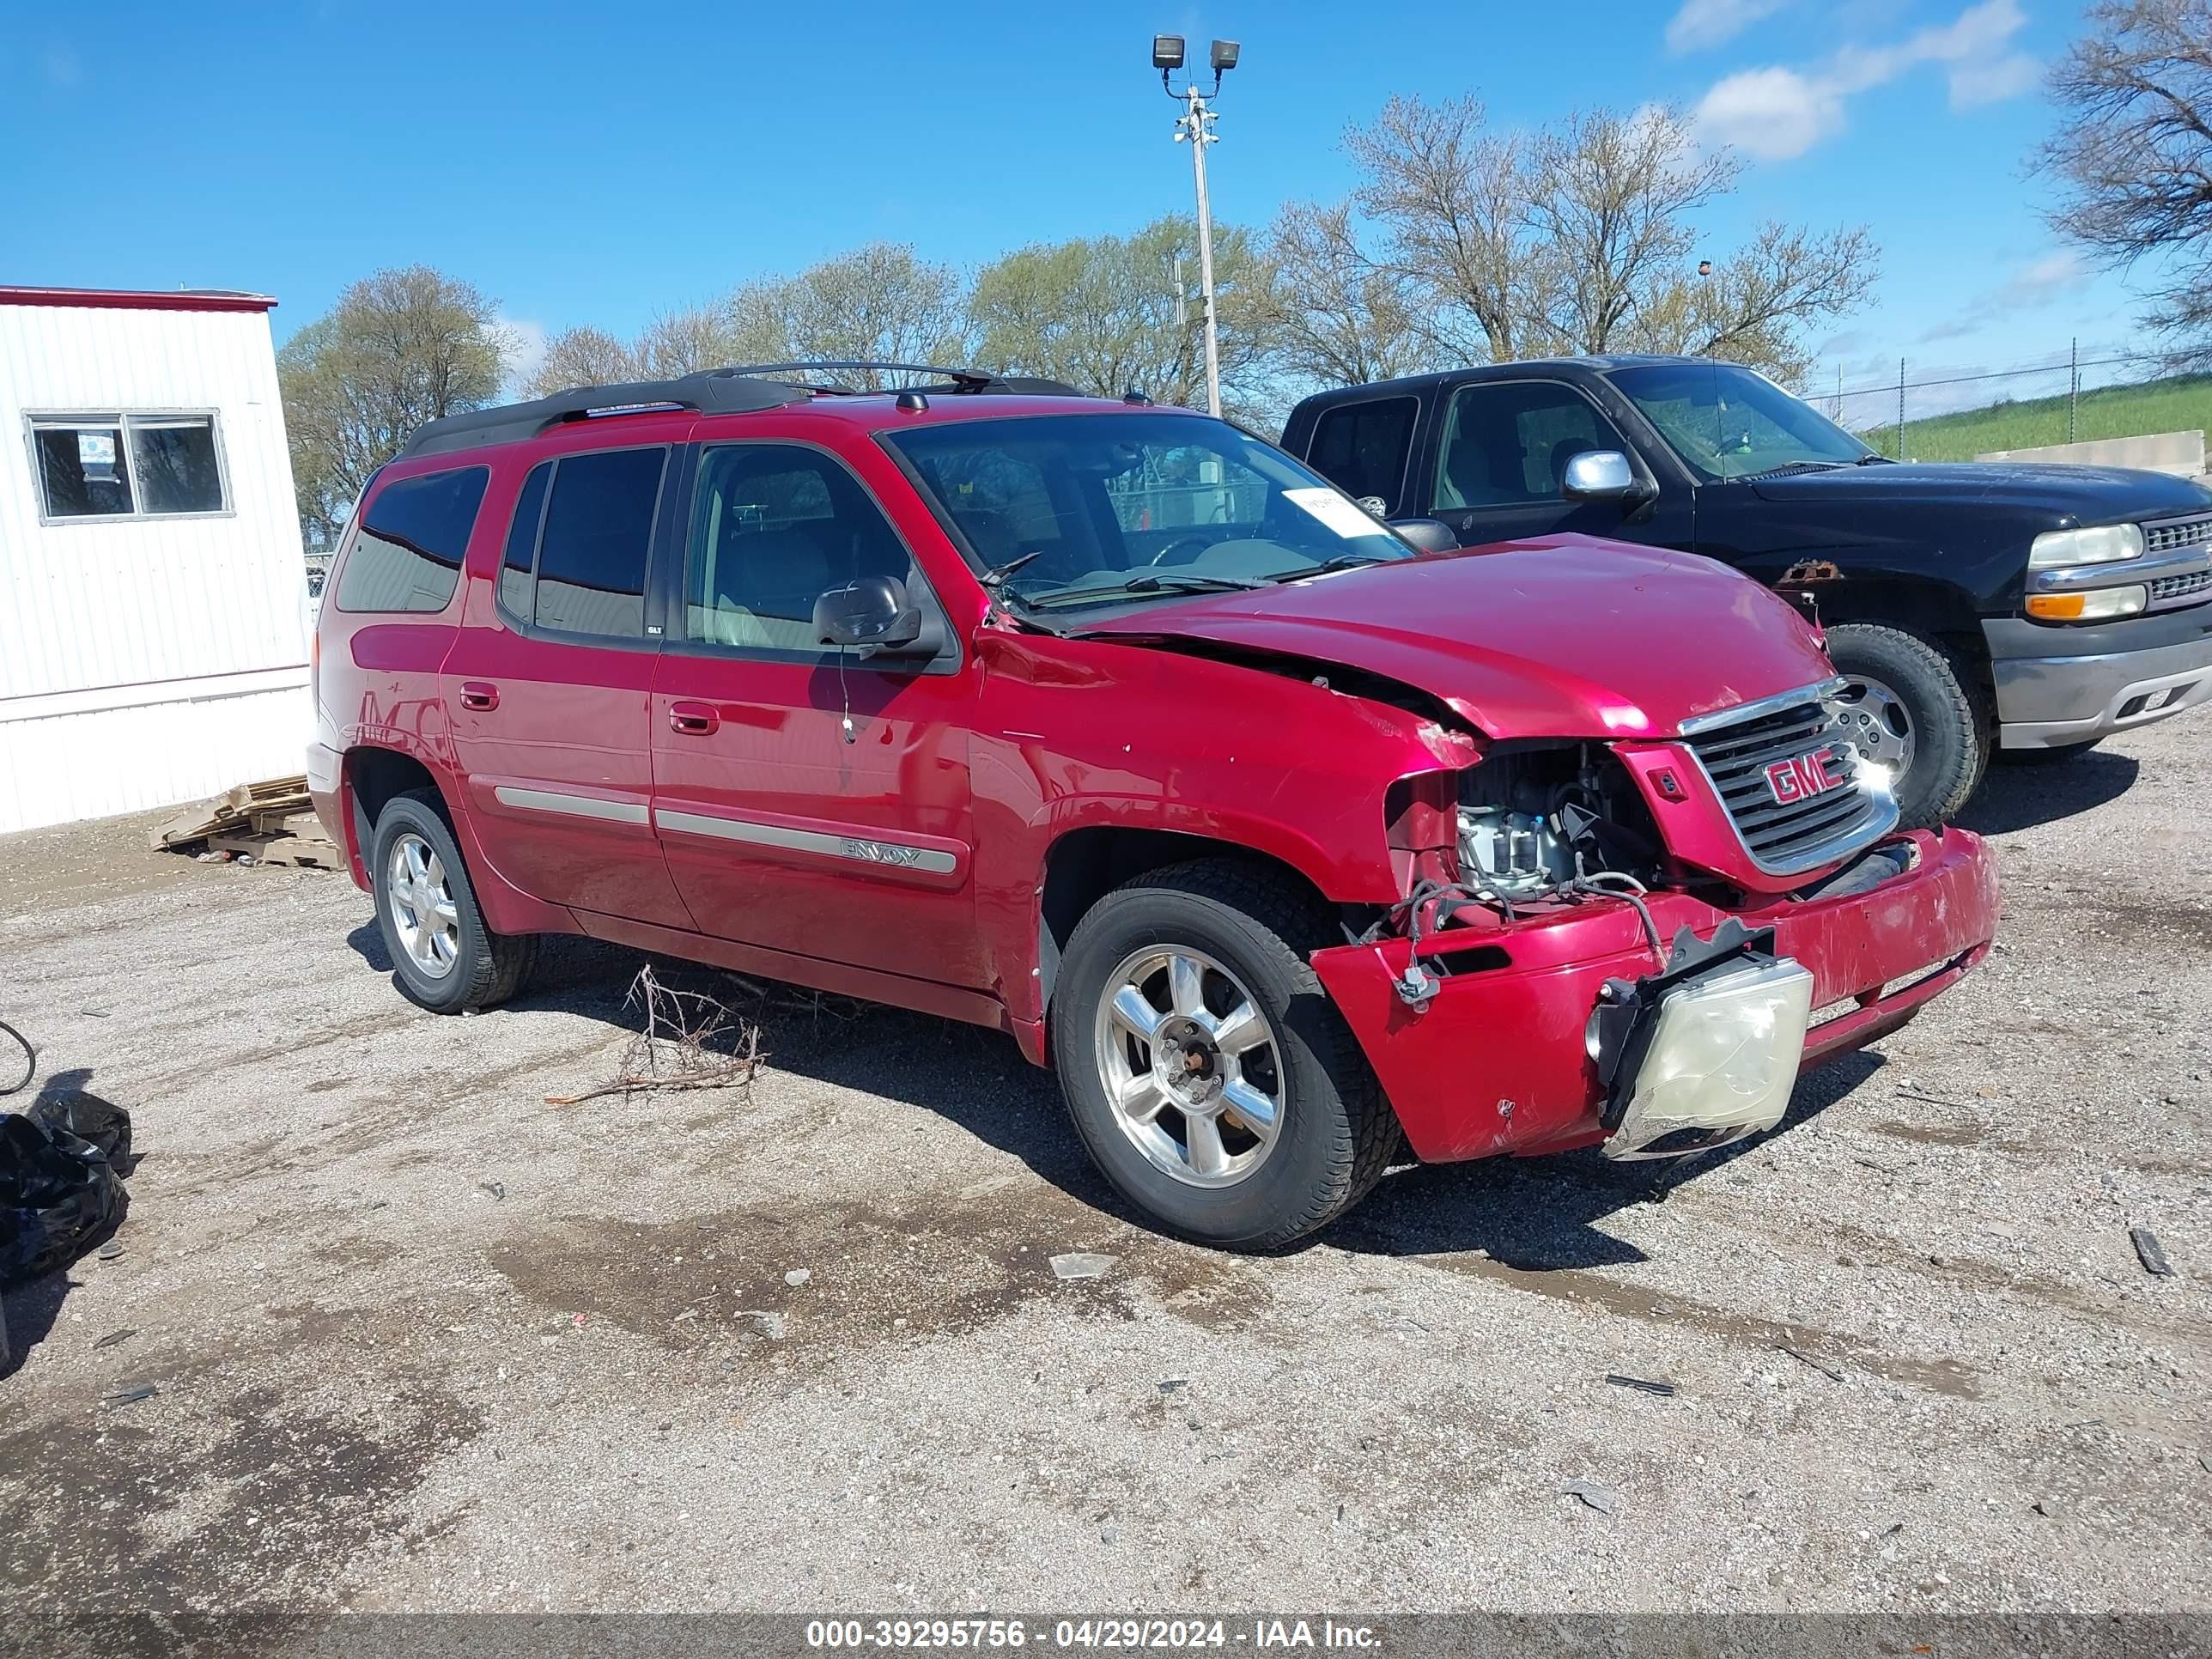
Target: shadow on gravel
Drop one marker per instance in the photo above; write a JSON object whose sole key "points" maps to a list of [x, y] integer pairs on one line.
{"points": [[1541, 1214], [1535, 1214], [2020, 795]]}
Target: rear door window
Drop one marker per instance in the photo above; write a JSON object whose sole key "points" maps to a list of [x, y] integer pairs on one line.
{"points": [[593, 550], [407, 555], [1507, 443], [1362, 449], [519, 567]]}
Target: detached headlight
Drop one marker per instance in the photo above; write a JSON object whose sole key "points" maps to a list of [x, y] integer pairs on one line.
{"points": [[2091, 604], [2106, 543]]}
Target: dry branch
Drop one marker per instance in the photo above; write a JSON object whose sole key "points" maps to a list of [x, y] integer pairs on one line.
{"points": [[690, 1041]]}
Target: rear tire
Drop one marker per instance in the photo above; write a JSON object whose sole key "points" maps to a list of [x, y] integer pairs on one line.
{"points": [[1300, 1129], [443, 956], [1949, 737]]}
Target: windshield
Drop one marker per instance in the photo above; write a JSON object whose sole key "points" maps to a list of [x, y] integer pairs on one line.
{"points": [[1727, 422], [1101, 509]]}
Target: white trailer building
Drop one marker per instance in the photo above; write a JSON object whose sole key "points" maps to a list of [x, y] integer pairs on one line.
{"points": [[152, 640]]}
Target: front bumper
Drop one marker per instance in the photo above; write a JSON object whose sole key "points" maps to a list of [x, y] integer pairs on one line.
{"points": [[1498, 1061], [2109, 679]]}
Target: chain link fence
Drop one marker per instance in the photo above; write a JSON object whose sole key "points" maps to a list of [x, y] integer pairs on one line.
{"points": [[1931, 412]]}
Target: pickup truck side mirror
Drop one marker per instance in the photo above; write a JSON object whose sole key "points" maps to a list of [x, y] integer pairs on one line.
{"points": [[1429, 535], [1600, 474], [871, 611]]}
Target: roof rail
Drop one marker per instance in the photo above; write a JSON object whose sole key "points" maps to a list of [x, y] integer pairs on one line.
{"points": [[710, 391], [746, 388], [964, 379]]}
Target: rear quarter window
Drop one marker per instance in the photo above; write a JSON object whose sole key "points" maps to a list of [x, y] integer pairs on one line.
{"points": [[407, 555], [1362, 447]]}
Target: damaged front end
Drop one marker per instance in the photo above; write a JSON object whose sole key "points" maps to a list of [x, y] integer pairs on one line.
{"points": [[1704, 1051], [1524, 996]]}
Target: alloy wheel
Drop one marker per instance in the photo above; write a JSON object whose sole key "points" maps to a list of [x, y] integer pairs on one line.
{"points": [[1192, 1068], [423, 914], [1874, 719]]}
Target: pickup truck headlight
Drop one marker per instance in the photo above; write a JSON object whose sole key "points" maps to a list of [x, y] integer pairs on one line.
{"points": [[2104, 544]]}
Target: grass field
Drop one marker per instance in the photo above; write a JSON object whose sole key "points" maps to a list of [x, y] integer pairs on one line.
{"points": [[2118, 411]]}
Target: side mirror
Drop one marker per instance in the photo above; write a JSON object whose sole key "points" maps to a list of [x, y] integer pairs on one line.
{"points": [[872, 611], [1599, 475], [1429, 535]]}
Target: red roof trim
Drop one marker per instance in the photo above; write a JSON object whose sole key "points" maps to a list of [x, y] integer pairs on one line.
{"points": [[114, 299]]}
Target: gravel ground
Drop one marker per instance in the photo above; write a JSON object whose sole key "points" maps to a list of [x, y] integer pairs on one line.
{"points": [[423, 1342]]}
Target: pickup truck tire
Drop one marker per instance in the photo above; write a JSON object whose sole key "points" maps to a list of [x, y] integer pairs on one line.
{"points": [[1950, 739], [1241, 935], [443, 956]]}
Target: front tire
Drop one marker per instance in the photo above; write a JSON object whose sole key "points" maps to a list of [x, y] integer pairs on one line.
{"points": [[1208, 1073], [1909, 707], [443, 956]]}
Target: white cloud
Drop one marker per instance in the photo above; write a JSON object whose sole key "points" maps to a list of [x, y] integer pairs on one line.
{"points": [[2039, 282], [524, 352], [1771, 114], [1775, 113], [1701, 24]]}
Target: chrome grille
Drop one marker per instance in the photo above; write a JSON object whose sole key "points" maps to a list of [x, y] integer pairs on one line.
{"points": [[2177, 533], [1783, 838], [2169, 589]]}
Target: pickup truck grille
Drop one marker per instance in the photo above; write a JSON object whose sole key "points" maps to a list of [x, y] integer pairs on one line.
{"points": [[2170, 590], [2177, 533], [1783, 837]]}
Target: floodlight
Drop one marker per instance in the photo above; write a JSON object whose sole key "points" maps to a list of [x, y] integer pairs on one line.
{"points": [[1224, 55], [1167, 51]]}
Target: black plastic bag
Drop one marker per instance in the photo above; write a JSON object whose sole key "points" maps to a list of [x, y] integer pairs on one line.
{"points": [[62, 1164]]}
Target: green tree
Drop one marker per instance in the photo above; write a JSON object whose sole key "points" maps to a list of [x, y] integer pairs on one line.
{"points": [[583, 357], [877, 304], [401, 347], [1111, 315]]}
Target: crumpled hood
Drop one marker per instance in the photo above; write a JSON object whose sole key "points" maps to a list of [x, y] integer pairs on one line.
{"points": [[1564, 637], [2086, 495]]}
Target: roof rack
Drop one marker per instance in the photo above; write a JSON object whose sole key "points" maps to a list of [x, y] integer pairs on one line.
{"points": [[744, 389]]}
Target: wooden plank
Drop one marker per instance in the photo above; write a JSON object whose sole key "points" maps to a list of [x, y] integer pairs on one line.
{"points": [[308, 852], [237, 810]]}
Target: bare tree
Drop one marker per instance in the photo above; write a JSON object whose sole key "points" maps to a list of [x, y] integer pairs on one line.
{"points": [[1579, 238], [686, 341], [1111, 315], [1448, 199], [1337, 316], [2134, 153], [400, 348], [583, 357]]}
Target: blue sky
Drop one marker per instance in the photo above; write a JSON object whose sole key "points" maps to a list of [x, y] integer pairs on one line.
{"points": [[592, 163]]}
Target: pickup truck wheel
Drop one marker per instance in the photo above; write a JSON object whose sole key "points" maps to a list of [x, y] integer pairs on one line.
{"points": [[443, 956], [1208, 1073], [1907, 707]]}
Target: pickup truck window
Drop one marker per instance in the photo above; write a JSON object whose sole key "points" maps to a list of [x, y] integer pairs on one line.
{"points": [[1364, 446], [1507, 443], [1107, 512], [1727, 422], [773, 527]]}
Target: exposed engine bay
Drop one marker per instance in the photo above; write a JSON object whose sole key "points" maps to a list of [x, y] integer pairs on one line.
{"points": [[1536, 818]]}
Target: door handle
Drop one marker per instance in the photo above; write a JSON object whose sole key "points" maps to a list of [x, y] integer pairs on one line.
{"points": [[693, 720], [479, 695]]}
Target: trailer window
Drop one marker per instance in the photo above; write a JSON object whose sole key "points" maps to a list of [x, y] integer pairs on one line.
{"points": [[128, 466]]}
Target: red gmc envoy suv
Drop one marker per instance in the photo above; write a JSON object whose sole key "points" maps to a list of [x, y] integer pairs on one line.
{"points": [[1285, 842]]}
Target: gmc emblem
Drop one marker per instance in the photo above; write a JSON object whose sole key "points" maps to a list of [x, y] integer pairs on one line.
{"points": [[1804, 777]]}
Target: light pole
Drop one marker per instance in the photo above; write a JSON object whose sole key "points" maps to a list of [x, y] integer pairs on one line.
{"points": [[1195, 128]]}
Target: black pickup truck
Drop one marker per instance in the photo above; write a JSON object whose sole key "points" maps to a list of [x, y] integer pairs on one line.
{"points": [[1970, 608]]}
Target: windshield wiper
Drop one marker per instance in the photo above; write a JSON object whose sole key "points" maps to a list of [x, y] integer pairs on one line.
{"points": [[1869, 460], [1155, 582], [1341, 562], [1786, 469]]}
